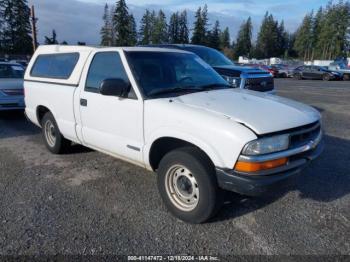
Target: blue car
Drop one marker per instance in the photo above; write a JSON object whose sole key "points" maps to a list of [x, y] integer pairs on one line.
{"points": [[11, 86]]}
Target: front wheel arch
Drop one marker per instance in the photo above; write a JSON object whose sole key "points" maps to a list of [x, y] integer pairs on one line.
{"points": [[164, 145]]}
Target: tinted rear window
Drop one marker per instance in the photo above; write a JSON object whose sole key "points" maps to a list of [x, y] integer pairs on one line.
{"points": [[59, 66]]}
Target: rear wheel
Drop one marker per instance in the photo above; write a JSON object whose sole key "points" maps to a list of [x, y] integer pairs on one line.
{"points": [[346, 77], [188, 186], [53, 139]]}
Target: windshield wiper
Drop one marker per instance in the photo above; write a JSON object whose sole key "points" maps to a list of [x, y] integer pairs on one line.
{"points": [[176, 89]]}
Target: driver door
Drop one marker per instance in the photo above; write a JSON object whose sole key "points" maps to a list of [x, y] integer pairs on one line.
{"points": [[108, 123]]}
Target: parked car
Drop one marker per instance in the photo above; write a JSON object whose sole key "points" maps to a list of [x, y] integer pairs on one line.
{"points": [[342, 69], [23, 63], [272, 70], [11, 86], [284, 71], [316, 72], [237, 76], [168, 111]]}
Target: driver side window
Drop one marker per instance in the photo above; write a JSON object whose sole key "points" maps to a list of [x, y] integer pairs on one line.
{"points": [[106, 65]]}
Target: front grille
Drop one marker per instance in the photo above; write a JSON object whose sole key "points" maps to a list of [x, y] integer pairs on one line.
{"points": [[259, 84], [304, 135], [13, 92]]}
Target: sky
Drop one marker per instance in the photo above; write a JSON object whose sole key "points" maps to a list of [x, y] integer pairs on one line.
{"points": [[81, 20]]}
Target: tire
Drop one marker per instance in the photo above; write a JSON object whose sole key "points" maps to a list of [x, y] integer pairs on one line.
{"points": [[346, 77], [326, 77], [284, 75], [189, 174], [53, 139]]}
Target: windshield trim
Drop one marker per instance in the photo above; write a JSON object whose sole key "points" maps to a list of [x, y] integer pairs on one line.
{"points": [[167, 95]]}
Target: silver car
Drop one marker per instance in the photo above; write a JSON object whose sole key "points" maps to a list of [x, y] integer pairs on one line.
{"points": [[11, 86]]}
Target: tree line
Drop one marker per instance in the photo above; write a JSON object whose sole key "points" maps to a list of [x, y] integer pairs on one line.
{"points": [[15, 28], [324, 35], [119, 28]]}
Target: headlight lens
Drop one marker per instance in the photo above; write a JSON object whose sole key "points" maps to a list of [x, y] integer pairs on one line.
{"points": [[233, 81], [267, 145]]}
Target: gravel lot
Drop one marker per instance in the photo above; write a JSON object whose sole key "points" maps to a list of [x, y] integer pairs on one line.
{"points": [[85, 202]]}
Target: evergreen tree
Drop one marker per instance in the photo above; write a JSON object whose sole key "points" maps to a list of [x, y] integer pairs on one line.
{"points": [[2, 26], [174, 29], [214, 36], [303, 38], [113, 33], [244, 39], [200, 27], [333, 41], [160, 30], [133, 31], [290, 52], [183, 28], [51, 40], [225, 39], [282, 40], [17, 30], [122, 24], [316, 32], [147, 27], [267, 41], [106, 30]]}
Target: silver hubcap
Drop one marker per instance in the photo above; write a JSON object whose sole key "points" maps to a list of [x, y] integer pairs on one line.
{"points": [[50, 133], [182, 188]]}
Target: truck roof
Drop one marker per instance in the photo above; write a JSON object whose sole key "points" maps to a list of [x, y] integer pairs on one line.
{"points": [[84, 52], [49, 49]]}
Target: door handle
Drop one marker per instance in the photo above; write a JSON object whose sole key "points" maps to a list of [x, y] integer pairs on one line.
{"points": [[83, 102]]}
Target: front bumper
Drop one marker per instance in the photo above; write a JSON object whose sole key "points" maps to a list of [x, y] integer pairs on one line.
{"points": [[262, 182], [11, 103]]}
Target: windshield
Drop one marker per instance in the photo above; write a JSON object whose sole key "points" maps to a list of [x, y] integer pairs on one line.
{"points": [[172, 73], [210, 55], [343, 66], [11, 71]]}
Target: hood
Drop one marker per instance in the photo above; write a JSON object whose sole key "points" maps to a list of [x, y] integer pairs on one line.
{"points": [[260, 112], [10, 83], [237, 71]]}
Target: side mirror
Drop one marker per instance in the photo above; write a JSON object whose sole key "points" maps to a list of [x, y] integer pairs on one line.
{"points": [[114, 87]]}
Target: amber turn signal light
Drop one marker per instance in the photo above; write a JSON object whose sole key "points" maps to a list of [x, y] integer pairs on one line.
{"points": [[258, 166]]}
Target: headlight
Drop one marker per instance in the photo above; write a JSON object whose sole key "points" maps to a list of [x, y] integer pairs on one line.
{"points": [[266, 145], [233, 81]]}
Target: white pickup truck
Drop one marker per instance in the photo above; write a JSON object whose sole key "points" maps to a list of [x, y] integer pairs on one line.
{"points": [[168, 111]]}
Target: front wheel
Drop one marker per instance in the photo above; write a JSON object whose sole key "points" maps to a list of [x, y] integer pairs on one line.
{"points": [[346, 77], [188, 186], [54, 140], [298, 77], [326, 77]]}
